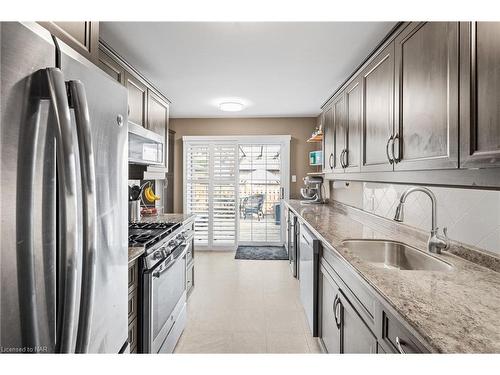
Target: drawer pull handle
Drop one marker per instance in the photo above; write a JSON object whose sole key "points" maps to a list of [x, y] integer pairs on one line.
{"points": [[399, 344]]}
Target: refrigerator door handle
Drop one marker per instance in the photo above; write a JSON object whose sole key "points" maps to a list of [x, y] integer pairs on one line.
{"points": [[68, 236], [78, 101]]}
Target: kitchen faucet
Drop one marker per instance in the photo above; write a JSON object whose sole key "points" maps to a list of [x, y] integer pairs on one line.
{"points": [[436, 242]]}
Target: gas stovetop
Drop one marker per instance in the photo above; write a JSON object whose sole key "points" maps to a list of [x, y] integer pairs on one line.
{"points": [[147, 234]]}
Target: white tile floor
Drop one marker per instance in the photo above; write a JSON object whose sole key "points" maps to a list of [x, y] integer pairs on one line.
{"points": [[244, 306]]}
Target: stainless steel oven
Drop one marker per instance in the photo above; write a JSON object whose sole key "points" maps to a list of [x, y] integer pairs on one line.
{"points": [[164, 295]]}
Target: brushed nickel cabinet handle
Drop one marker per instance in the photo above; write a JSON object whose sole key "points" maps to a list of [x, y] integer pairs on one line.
{"points": [[399, 344], [391, 160], [396, 159]]}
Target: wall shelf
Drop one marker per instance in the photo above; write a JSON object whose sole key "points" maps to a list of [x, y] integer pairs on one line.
{"points": [[316, 139]]}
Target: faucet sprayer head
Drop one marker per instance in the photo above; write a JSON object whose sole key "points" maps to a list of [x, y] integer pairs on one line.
{"points": [[399, 215]]}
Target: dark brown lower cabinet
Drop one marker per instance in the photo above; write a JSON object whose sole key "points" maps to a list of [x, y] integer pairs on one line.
{"points": [[357, 338], [132, 336], [341, 328], [397, 338], [354, 319], [329, 331], [133, 276]]}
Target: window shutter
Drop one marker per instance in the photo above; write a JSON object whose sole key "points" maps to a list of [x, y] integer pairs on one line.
{"points": [[224, 195], [197, 186]]}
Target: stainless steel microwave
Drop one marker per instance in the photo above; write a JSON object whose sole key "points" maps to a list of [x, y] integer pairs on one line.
{"points": [[144, 146]]}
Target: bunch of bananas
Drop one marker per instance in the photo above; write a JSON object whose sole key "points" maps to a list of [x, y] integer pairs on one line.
{"points": [[150, 195]]}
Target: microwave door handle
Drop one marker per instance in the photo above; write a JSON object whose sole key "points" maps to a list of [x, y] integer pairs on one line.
{"points": [[68, 235], [78, 101]]}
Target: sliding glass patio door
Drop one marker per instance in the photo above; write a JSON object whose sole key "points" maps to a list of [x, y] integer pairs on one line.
{"points": [[260, 194], [235, 187]]}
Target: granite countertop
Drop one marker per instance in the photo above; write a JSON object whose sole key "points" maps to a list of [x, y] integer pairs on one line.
{"points": [[136, 252], [171, 218], [456, 311]]}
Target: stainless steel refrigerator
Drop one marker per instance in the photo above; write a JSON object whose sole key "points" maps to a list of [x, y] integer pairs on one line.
{"points": [[63, 199]]}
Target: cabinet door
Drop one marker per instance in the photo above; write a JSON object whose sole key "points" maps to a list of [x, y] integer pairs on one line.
{"points": [[137, 96], [378, 111], [111, 67], [82, 36], [158, 118], [480, 90], [328, 139], [426, 96], [170, 151], [353, 126], [329, 331], [169, 193], [356, 336], [339, 132]]}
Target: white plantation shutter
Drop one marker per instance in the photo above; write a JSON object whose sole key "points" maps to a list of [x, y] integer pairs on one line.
{"points": [[224, 195], [211, 192], [197, 189]]}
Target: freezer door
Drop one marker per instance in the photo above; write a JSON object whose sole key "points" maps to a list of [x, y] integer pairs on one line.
{"points": [[28, 194], [107, 111]]}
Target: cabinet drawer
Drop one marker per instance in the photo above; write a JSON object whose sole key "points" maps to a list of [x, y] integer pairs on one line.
{"points": [[133, 276], [132, 333], [397, 337], [132, 306]]}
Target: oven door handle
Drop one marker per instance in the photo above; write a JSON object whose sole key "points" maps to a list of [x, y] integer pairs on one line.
{"points": [[157, 274]]}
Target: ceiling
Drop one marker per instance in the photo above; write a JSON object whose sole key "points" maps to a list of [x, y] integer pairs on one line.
{"points": [[277, 69]]}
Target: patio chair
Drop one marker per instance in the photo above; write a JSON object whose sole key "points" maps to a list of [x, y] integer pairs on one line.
{"points": [[253, 205]]}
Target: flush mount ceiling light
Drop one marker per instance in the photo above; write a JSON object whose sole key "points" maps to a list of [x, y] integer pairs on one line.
{"points": [[231, 106]]}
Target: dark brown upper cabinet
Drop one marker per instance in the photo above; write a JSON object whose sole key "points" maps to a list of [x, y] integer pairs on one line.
{"points": [[111, 67], [480, 95], [426, 96], [339, 132], [328, 139], [158, 115], [378, 112], [352, 154], [82, 36], [137, 100]]}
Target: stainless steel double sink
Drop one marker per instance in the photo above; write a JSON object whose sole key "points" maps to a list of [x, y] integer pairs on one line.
{"points": [[394, 255]]}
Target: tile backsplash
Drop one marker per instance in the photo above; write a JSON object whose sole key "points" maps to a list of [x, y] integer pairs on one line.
{"points": [[471, 216]]}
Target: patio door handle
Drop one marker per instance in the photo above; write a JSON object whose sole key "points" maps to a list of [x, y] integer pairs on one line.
{"points": [[282, 193]]}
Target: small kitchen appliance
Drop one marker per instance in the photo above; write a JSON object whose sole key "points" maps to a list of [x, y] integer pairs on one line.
{"points": [[313, 190]]}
